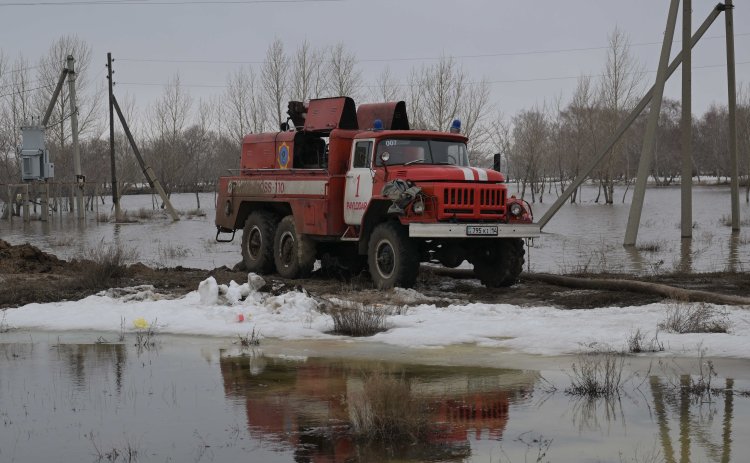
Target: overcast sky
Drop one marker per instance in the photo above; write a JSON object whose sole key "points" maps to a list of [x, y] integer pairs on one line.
{"points": [[531, 40]]}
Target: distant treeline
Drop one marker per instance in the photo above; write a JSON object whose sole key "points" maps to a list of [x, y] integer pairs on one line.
{"points": [[191, 143]]}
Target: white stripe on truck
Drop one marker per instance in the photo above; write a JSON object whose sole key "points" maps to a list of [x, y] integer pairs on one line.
{"points": [[276, 187]]}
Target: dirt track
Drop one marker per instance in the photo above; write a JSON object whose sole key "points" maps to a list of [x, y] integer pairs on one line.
{"points": [[29, 275]]}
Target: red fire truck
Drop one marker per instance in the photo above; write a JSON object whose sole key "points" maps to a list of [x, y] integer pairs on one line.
{"points": [[357, 189]]}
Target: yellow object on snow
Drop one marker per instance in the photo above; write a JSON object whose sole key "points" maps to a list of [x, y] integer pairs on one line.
{"points": [[140, 323]]}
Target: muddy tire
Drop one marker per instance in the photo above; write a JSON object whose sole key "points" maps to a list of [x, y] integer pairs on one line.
{"points": [[257, 242], [392, 257], [499, 263], [293, 254]]}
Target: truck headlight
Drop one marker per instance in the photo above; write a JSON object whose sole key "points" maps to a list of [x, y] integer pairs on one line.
{"points": [[516, 210], [418, 207]]}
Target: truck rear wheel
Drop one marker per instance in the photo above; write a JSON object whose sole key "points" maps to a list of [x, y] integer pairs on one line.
{"points": [[293, 254], [257, 242], [393, 259], [499, 263]]}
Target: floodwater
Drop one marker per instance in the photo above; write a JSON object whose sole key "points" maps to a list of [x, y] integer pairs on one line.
{"points": [[581, 237], [183, 399]]}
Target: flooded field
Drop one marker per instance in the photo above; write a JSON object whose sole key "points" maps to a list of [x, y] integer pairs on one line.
{"points": [[79, 398], [582, 237], [415, 393]]}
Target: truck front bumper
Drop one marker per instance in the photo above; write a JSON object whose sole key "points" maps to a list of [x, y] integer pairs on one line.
{"points": [[474, 230]]}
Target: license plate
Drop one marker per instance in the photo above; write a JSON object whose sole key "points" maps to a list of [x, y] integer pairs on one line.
{"points": [[481, 230]]}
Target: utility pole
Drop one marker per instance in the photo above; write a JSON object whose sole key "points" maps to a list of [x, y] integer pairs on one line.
{"points": [[649, 139], [626, 123], [80, 178], [148, 172], [113, 166], [686, 177], [732, 106]]}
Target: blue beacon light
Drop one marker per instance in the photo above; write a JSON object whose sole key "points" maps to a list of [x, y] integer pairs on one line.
{"points": [[456, 126], [377, 125]]}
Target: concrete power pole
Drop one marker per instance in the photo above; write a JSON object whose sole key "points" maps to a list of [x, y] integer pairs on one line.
{"points": [[686, 177], [80, 179], [649, 139], [732, 113]]}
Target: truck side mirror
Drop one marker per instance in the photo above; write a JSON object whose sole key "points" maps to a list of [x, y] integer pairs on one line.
{"points": [[384, 157]]}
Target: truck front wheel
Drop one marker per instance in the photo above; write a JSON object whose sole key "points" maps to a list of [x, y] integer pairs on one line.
{"points": [[294, 254], [393, 259], [499, 263], [257, 242]]}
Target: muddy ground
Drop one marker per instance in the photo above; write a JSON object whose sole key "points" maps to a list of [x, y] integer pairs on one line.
{"points": [[28, 275]]}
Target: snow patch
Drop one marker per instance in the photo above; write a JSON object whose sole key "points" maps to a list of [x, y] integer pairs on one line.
{"points": [[215, 310]]}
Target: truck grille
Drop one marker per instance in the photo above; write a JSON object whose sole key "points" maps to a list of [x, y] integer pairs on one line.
{"points": [[471, 202]]}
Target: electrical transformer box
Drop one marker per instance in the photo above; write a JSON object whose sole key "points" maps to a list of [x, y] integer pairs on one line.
{"points": [[35, 163]]}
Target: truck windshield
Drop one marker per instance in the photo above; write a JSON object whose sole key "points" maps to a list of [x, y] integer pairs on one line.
{"points": [[408, 151]]}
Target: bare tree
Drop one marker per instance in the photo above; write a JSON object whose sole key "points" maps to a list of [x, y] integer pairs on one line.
{"points": [[473, 110], [308, 78], [498, 141], [128, 171], [530, 143], [242, 109], [50, 67], [440, 93], [415, 100], [345, 78], [169, 118], [443, 87], [711, 143], [577, 132], [386, 87], [620, 87], [667, 162], [743, 131], [274, 78], [197, 145], [16, 109]]}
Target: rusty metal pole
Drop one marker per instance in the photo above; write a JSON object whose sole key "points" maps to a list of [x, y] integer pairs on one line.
{"points": [[649, 139], [686, 177], [732, 113]]}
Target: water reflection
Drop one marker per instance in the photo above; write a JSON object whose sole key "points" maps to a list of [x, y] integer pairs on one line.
{"points": [[733, 262], [686, 255], [306, 405], [57, 400], [695, 416], [85, 360]]}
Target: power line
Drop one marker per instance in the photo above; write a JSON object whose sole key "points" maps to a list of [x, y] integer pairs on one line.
{"points": [[27, 90], [14, 84], [27, 68], [155, 3], [504, 81], [418, 58]]}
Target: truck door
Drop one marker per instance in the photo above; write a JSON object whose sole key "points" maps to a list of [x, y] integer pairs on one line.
{"points": [[358, 182]]}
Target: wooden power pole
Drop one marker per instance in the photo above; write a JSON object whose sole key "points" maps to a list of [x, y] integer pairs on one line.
{"points": [[113, 164]]}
